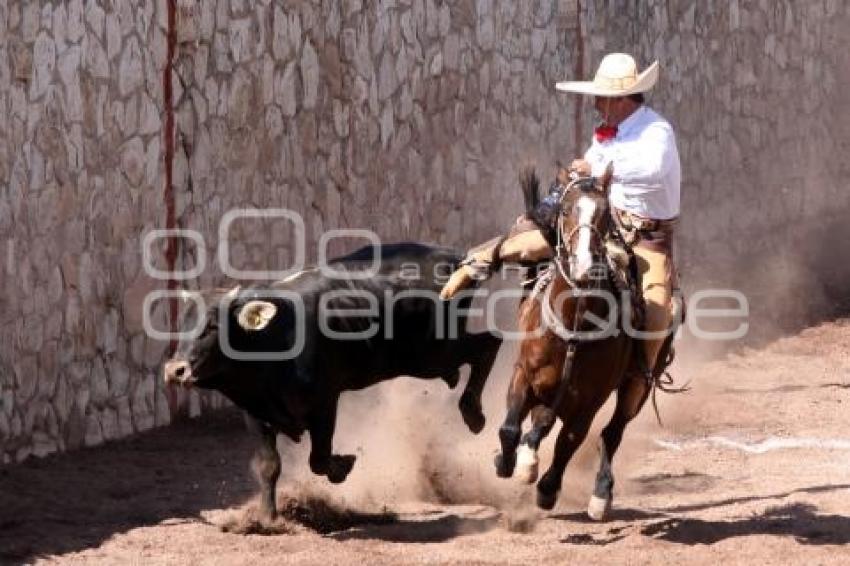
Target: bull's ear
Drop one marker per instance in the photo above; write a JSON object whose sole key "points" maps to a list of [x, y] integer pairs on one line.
{"points": [[256, 315]]}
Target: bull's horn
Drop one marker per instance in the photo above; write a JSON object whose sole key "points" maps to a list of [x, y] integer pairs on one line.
{"points": [[256, 315], [233, 292]]}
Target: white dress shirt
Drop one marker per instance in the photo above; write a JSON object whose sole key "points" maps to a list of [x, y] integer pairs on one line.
{"points": [[647, 174]]}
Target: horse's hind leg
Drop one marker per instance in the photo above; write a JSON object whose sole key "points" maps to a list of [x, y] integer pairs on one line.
{"points": [[631, 396], [542, 421], [519, 403]]}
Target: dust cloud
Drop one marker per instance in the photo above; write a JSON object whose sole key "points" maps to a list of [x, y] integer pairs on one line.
{"points": [[413, 448]]}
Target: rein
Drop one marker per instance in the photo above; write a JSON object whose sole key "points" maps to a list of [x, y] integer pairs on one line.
{"points": [[560, 247], [550, 317], [553, 322]]}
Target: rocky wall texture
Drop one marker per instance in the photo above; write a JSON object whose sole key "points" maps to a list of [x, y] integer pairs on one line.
{"points": [[80, 174], [407, 117], [404, 117]]}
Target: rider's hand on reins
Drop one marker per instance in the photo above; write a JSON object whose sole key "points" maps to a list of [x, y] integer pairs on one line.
{"points": [[580, 167]]}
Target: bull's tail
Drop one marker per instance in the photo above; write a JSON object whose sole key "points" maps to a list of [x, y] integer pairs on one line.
{"points": [[529, 182]]}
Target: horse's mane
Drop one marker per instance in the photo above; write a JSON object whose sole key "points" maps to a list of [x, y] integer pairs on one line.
{"points": [[529, 182]]}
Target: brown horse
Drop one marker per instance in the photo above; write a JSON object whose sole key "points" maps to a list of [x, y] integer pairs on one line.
{"points": [[575, 353]]}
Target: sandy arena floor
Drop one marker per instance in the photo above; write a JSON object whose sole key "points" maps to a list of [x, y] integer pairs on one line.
{"points": [[752, 466]]}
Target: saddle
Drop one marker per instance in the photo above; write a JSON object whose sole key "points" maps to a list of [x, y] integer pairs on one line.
{"points": [[625, 276]]}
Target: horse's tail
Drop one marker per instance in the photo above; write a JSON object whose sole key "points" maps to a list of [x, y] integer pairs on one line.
{"points": [[529, 182]]}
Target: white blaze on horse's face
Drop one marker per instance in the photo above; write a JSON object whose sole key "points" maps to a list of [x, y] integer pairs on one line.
{"points": [[583, 258]]}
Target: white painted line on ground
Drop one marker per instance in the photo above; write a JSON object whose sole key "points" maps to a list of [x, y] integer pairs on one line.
{"points": [[761, 447]]}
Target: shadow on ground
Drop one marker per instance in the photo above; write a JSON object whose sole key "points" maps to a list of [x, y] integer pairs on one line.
{"points": [[800, 521], [754, 498], [438, 529], [70, 502]]}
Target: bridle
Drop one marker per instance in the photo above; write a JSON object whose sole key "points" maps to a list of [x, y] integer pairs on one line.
{"points": [[553, 320], [550, 318], [585, 184]]}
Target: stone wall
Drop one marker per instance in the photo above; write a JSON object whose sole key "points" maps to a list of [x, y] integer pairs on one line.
{"points": [[757, 93], [80, 174], [406, 117]]}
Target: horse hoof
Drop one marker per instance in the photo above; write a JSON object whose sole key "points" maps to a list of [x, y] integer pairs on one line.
{"points": [[504, 466], [598, 508], [526, 464], [546, 501]]}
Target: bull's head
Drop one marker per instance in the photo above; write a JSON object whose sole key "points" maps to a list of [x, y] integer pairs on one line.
{"points": [[253, 324]]}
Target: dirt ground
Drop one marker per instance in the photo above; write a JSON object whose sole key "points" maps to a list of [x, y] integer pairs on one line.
{"points": [[751, 466]]}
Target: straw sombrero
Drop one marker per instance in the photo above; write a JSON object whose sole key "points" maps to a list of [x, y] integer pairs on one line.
{"points": [[617, 76]]}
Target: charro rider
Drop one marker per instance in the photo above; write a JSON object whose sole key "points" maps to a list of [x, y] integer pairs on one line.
{"points": [[644, 194]]}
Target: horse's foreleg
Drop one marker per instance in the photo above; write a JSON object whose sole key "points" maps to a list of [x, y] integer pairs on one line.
{"points": [[569, 439], [527, 461], [631, 396], [509, 433]]}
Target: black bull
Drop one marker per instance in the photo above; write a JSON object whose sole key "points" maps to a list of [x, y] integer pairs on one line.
{"points": [[399, 327]]}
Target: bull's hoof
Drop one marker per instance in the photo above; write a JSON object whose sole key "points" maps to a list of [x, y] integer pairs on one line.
{"points": [[546, 500], [505, 465], [598, 507], [475, 421], [526, 464], [340, 467], [255, 521], [266, 516], [473, 416]]}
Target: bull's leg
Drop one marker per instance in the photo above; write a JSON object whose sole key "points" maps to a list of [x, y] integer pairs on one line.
{"points": [[518, 406], [267, 466], [322, 461], [483, 349], [452, 378], [542, 421], [569, 439], [631, 396]]}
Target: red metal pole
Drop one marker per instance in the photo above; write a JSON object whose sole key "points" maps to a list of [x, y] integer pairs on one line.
{"points": [[578, 132], [168, 195]]}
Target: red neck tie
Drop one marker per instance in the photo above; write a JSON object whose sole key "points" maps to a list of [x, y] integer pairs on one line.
{"points": [[605, 133]]}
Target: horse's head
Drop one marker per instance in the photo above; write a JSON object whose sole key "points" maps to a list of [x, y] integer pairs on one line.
{"points": [[584, 223]]}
